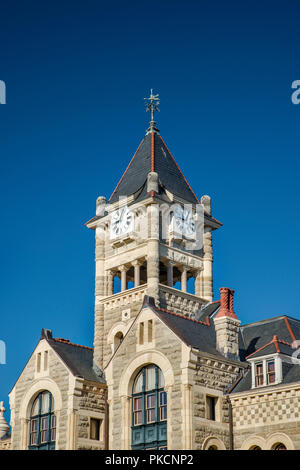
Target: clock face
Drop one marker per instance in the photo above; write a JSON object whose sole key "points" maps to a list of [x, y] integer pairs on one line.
{"points": [[184, 221], [121, 222]]}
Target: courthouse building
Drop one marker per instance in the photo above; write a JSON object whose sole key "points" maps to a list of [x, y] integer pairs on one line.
{"points": [[171, 368]]}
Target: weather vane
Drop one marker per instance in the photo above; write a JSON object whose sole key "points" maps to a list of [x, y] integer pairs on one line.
{"points": [[152, 105]]}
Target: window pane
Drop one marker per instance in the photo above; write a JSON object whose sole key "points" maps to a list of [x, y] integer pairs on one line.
{"points": [[150, 378], [45, 403], [163, 413], [52, 403], [259, 374], [150, 401], [161, 379], [53, 428], [138, 418], [35, 408], [163, 398], [138, 385], [151, 415], [271, 366], [137, 404], [33, 432], [44, 429]]}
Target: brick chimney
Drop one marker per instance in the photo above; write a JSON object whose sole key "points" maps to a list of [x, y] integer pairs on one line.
{"points": [[227, 326]]}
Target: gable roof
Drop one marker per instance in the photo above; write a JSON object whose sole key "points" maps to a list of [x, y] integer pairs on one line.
{"points": [[254, 336], [78, 359], [198, 334], [153, 155]]}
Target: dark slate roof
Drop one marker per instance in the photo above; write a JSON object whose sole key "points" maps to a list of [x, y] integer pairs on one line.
{"points": [[256, 335], [79, 359], [257, 340], [270, 348], [197, 334], [209, 310], [159, 160]]}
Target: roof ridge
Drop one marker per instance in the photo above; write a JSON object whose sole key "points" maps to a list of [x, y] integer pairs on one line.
{"points": [[206, 323], [274, 341], [58, 340], [262, 321], [179, 169]]}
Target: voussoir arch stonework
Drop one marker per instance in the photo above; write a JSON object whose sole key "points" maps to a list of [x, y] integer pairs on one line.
{"points": [[34, 390], [141, 360], [279, 438], [253, 441], [213, 441]]}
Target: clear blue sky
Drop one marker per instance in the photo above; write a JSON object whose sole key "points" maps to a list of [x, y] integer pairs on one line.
{"points": [[76, 75]]}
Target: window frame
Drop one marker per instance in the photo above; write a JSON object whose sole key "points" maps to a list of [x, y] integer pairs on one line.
{"points": [[41, 418], [159, 396], [266, 375]]}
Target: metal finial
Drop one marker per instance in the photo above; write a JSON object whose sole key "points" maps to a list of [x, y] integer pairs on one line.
{"points": [[152, 105]]}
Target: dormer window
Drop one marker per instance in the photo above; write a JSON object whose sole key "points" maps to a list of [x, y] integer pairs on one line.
{"points": [[267, 371]]}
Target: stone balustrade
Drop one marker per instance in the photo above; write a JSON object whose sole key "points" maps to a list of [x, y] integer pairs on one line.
{"points": [[179, 302], [125, 298]]}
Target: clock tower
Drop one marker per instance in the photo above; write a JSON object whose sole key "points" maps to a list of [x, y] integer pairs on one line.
{"points": [[154, 238]]}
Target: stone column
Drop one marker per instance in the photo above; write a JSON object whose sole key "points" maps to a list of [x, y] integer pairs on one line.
{"points": [[184, 278], [110, 283], [100, 290], [153, 252], [207, 277], [137, 279], [123, 271], [198, 283], [170, 266]]}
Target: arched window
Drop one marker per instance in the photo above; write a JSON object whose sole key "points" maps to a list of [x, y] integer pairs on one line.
{"points": [[279, 446], [118, 339], [149, 409], [42, 426]]}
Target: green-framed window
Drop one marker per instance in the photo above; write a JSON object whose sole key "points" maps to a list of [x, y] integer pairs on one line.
{"points": [[149, 409], [42, 424]]}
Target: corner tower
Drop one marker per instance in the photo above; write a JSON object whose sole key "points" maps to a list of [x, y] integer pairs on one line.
{"points": [[153, 237]]}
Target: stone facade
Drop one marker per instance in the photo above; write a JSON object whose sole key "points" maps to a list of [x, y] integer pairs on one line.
{"points": [[130, 334]]}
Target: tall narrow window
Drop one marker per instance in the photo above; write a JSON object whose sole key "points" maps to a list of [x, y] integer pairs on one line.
{"points": [[211, 408], [95, 425], [42, 425], [270, 372], [45, 360], [38, 362], [259, 374], [141, 333], [149, 410], [150, 330]]}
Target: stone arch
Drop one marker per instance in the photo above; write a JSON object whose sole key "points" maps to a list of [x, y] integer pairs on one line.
{"points": [[141, 360], [27, 401], [213, 441], [279, 438], [253, 441], [34, 390], [120, 328]]}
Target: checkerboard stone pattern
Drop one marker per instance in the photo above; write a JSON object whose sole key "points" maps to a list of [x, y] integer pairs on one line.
{"points": [[266, 408]]}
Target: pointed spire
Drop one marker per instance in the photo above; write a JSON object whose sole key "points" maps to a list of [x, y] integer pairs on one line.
{"points": [[152, 105], [4, 427]]}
